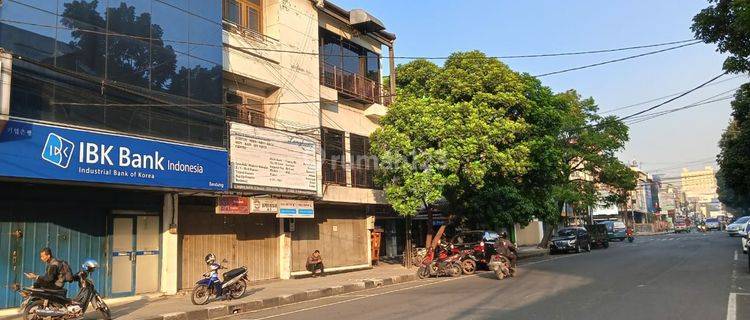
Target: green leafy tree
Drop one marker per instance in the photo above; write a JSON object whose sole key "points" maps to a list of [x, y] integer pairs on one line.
{"points": [[727, 23], [497, 145], [733, 176]]}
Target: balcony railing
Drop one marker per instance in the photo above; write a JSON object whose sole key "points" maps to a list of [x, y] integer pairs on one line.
{"points": [[334, 172], [353, 84], [243, 113]]}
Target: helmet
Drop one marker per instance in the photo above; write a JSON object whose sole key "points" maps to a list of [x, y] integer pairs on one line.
{"points": [[210, 258], [89, 265], [503, 235]]}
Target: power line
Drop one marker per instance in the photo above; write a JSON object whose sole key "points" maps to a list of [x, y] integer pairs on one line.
{"points": [[672, 99], [617, 60], [661, 98]]}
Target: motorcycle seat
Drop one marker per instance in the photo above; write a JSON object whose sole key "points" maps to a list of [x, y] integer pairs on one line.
{"points": [[58, 292], [234, 273]]}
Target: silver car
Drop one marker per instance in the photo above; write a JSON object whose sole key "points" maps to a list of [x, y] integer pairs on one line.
{"points": [[738, 226]]}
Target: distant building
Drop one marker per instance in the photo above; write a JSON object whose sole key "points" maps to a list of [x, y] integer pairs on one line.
{"points": [[699, 187]]}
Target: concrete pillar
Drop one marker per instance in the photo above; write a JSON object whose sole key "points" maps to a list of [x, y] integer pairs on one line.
{"points": [[169, 245], [369, 226], [285, 252]]}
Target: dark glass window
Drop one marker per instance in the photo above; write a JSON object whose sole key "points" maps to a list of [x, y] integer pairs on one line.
{"points": [[362, 161], [90, 57], [233, 12], [373, 66], [333, 156], [247, 14], [348, 56]]}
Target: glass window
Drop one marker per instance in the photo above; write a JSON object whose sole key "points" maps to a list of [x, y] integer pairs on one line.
{"points": [[362, 162], [351, 54], [373, 66], [333, 156], [247, 14], [233, 12]]}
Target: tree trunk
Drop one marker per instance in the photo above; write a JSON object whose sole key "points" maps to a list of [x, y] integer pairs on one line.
{"points": [[430, 229], [544, 244]]}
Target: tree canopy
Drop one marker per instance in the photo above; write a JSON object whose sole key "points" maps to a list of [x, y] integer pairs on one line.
{"points": [[727, 24], [496, 145]]}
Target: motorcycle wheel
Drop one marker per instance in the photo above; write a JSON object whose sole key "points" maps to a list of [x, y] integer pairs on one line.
{"points": [[201, 294], [423, 273], [499, 273], [455, 270], [103, 308], [30, 310], [239, 289], [469, 266]]}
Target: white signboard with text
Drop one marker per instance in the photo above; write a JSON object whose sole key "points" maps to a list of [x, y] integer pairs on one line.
{"points": [[273, 160]]}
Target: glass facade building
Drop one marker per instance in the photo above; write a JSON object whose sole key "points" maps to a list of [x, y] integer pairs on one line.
{"points": [[146, 67]]}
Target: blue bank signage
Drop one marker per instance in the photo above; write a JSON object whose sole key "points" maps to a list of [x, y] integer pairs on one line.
{"points": [[33, 150]]}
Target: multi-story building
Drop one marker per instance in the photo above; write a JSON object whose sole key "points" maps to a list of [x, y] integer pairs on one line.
{"points": [[114, 112], [700, 187], [146, 134]]}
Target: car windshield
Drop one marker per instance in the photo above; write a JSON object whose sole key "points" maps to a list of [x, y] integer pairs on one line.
{"points": [[742, 219], [566, 232], [712, 220]]}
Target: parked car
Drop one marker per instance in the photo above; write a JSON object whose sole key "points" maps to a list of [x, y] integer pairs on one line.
{"points": [[570, 238], [482, 242], [681, 225], [713, 224], [615, 230], [745, 236], [598, 234], [738, 225]]}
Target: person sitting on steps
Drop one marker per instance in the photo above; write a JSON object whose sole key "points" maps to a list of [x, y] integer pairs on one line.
{"points": [[314, 263]]}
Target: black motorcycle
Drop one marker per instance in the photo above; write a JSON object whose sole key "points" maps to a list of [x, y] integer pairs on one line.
{"points": [[53, 304]]}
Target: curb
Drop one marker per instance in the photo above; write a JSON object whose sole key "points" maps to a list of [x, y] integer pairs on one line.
{"points": [[219, 311]]}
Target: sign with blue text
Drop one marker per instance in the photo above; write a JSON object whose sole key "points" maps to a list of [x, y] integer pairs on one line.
{"points": [[34, 150], [289, 208]]}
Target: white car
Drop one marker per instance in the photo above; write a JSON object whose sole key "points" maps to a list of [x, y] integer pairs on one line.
{"points": [[743, 234], [738, 227]]}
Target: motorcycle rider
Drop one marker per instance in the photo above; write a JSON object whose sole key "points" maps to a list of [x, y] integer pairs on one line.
{"points": [[506, 248], [52, 278]]}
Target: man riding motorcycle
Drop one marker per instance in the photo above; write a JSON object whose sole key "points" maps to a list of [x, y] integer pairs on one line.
{"points": [[506, 248]]}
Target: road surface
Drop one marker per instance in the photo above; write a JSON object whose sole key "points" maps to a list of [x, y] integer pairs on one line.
{"points": [[685, 276]]}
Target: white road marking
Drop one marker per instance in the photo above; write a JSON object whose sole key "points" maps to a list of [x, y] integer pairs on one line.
{"points": [[365, 296], [735, 255], [732, 306]]}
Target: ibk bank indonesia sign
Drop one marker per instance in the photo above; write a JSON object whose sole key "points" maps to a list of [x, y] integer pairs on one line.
{"points": [[33, 150]]}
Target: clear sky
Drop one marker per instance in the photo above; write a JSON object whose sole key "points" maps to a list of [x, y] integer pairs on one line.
{"points": [[663, 145]]}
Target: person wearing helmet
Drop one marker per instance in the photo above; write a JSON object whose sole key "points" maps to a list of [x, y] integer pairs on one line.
{"points": [[506, 248]]}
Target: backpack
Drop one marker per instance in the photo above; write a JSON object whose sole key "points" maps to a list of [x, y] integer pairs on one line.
{"points": [[65, 273]]}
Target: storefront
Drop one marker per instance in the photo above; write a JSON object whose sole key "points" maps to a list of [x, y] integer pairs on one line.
{"points": [[340, 232], [88, 194]]}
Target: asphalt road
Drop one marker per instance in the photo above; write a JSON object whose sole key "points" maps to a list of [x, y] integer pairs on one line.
{"points": [[686, 276]]}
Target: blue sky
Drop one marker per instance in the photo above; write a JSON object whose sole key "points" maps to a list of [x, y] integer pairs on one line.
{"points": [[438, 28]]}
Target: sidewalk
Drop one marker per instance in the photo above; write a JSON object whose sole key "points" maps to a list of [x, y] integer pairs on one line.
{"points": [[267, 294]]}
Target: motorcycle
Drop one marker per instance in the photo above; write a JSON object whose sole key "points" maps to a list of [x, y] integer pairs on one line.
{"points": [[501, 266], [630, 235], [467, 259], [53, 304], [444, 265], [233, 286], [701, 228]]}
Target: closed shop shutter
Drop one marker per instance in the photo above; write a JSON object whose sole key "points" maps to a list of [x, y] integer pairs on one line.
{"points": [[243, 240], [339, 232]]}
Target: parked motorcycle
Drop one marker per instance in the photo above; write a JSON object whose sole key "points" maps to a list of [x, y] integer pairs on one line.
{"points": [[233, 286], [53, 304], [443, 265], [701, 228], [501, 266], [467, 259]]}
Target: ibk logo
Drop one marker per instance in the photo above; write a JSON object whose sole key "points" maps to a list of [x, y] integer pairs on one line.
{"points": [[58, 150]]}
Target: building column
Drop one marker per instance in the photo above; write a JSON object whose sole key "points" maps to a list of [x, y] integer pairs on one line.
{"points": [[285, 251], [170, 245]]}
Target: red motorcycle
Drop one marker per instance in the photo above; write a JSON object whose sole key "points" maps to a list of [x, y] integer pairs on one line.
{"points": [[501, 266], [445, 264], [467, 259]]}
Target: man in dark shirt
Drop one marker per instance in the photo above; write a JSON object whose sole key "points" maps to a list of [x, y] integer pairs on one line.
{"points": [[51, 279], [506, 248], [315, 263]]}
